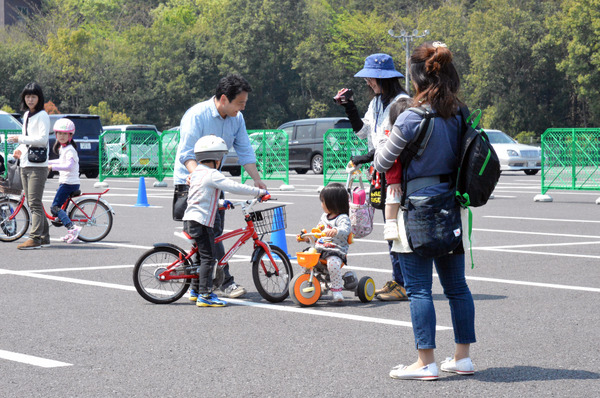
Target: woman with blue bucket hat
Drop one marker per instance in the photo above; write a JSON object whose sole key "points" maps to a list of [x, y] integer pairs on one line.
{"points": [[384, 80]]}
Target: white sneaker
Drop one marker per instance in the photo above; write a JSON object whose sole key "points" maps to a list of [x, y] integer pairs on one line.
{"points": [[73, 234], [232, 291], [390, 230], [427, 372], [337, 297], [461, 367]]}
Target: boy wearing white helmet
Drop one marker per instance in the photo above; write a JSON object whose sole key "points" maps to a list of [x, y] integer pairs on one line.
{"points": [[67, 166], [206, 184]]}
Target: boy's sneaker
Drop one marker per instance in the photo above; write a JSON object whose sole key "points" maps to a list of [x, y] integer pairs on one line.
{"points": [[232, 291], [73, 234], [462, 367], [338, 297], [193, 295], [390, 230], [210, 300], [398, 293], [389, 285]]}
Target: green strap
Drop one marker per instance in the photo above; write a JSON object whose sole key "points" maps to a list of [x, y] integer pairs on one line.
{"points": [[470, 230], [475, 118], [487, 159], [464, 201]]}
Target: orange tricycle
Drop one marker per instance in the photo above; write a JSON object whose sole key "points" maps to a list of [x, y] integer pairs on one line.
{"points": [[306, 288]]}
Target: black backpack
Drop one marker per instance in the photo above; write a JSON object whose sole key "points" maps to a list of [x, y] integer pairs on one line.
{"points": [[478, 167]]}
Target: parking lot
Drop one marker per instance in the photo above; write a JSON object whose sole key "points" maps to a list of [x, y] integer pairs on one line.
{"points": [[74, 326]]}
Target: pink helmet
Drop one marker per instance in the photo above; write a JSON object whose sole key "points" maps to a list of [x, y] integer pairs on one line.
{"points": [[64, 125]]}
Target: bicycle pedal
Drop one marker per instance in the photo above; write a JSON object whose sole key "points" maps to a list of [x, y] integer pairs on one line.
{"points": [[308, 289]]}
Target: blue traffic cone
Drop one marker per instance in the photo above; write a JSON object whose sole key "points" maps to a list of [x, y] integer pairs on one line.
{"points": [[278, 237], [142, 199]]}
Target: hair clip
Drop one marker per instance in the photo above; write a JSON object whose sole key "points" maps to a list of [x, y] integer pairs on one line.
{"points": [[437, 44]]}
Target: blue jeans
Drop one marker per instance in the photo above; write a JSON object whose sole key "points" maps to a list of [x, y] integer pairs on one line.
{"points": [[394, 257], [62, 193], [418, 278], [396, 268]]}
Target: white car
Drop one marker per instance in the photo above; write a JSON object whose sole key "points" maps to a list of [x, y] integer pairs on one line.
{"points": [[143, 148], [514, 156]]}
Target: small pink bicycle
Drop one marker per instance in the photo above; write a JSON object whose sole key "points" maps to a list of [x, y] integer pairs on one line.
{"points": [[93, 215]]}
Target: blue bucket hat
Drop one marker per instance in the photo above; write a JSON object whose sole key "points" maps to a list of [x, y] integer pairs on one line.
{"points": [[379, 66]]}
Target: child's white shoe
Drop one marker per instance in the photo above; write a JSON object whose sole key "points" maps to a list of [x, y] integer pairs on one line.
{"points": [[73, 234], [390, 230], [337, 297]]}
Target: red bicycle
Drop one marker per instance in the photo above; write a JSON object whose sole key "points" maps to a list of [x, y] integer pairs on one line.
{"points": [[93, 215], [162, 275]]}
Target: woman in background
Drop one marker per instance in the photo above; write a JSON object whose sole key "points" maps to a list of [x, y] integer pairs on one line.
{"points": [[36, 128]]}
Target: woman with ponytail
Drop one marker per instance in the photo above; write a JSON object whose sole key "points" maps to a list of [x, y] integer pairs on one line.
{"points": [[436, 84]]}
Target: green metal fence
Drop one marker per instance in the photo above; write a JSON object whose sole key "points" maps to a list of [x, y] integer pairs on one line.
{"points": [[272, 155], [169, 140], [135, 153], [6, 148], [338, 147], [571, 159]]}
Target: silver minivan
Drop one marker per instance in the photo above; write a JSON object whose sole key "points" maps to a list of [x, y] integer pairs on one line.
{"points": [[306, 141]]}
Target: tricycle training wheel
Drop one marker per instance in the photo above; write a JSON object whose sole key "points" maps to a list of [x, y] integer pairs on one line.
{"points": [[366, 289], [302, 292]]}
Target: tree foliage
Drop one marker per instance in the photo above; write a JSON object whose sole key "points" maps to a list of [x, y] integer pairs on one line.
{"points": [[529, 65]]}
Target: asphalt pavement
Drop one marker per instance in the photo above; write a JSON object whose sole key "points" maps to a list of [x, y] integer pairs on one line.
{"points": [[72, 324]]}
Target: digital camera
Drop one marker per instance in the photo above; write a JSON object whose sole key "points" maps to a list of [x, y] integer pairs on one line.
{"points": [[343, 97]]}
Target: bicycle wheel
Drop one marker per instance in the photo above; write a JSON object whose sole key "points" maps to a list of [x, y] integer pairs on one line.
{"points": [[94, 218], [153, 263], [271, 286], [11, 230]]}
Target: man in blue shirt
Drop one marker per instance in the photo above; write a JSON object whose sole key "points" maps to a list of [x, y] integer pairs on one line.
{"points": [[221, 116]]}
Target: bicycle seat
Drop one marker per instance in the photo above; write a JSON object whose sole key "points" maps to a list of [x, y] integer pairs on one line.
{"points": [[75, 193]]}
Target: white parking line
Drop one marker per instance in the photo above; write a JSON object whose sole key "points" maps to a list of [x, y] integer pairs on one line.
{"points": [[537, 284], [496, 280], [309, 311], [595, 242], [274, 307], [31, 360], [122, 205], [540, 253], [554, 234], [587, 193], [543, 219]]}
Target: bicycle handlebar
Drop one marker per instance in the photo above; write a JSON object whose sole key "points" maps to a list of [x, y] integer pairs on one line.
{"points": [[314, 235], [249, 203]]}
